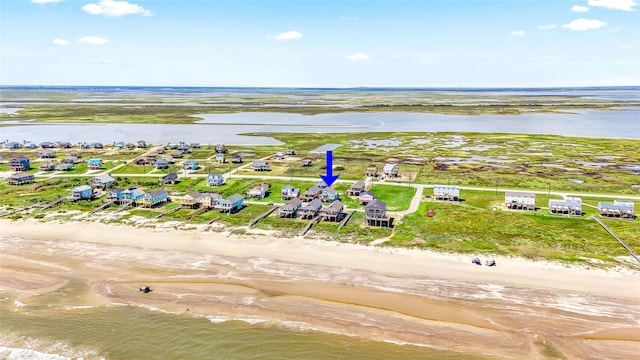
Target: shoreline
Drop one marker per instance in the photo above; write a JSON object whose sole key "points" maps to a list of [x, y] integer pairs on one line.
{"points": [[385, 294]]}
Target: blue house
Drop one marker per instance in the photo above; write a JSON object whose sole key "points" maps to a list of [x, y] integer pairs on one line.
{"points": [[190, 165], [215, 180], [232, 204], [120, 144], [64, 167], [154, 198], [94, 164], [161, 164], [132, 194], [81, 192], [329, 194], [12, 145], [20, 163]]}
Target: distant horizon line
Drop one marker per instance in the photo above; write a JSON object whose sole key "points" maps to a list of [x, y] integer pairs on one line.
{"points": [[597, 87]]}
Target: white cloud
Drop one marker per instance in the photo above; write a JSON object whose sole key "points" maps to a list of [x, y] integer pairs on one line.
{"points": [[92, 40], [115, 8], [287, 35], [60, 42], [578, 8], [624, 5], [518, 33], [45, 1], [357, 57], [584, 24], [547, 27]]}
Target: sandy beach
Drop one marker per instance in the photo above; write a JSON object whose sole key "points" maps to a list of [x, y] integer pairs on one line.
{"points": [[518, 309]]}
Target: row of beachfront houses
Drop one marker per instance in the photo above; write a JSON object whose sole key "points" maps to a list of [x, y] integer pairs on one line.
{"points": [[22, 163], [309, 204]]}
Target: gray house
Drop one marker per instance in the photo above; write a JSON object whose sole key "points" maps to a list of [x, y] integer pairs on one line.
{"points": [[375, 213], [312, 193], [366, 197], [231, 204], [356, 188], [102, 181], [310, 210], [290, 209], [21, 179], [260, 165], [333, 212]]}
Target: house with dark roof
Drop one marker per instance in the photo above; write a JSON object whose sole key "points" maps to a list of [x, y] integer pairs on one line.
{"points": [[154, 198], [310, 210], [47, 145], [312, 193], [170, 178], [375, 213], [220, 148], [356, 188], [236, 159], [20, 163], [366, 197], [333, 212], [231, 204], [290, 209], [21, 179]]}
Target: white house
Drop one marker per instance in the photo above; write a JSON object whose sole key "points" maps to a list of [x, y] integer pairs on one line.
{"points": [[520, 200], [446, 192]]}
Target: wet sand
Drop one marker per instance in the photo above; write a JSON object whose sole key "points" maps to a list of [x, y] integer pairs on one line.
{"points": [[518, 309]]}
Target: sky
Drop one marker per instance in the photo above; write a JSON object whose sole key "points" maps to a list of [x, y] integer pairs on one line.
{"points": [[514, 43]]}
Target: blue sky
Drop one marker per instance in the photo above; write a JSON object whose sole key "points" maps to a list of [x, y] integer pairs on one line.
{"points": [[320, 43]]}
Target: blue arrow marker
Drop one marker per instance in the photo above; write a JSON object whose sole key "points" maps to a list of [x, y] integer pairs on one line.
{"points": [[329, 179]]}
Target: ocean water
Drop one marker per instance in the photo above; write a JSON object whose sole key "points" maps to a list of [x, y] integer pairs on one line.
{"points": [[125, 332]]}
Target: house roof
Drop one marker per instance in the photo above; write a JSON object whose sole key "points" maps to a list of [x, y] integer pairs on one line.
{"points": [[104, 179], [313, 190], [358, 184], [194, 195], [330, 191], [21, 176], [390, 167], [335, 206], [367, 193], [376, 204], [157, 193], [170, 176], [520, 194], [313, 205], [235, 197], [81, 188], [214, 176], [292, 203], [260, 163]]}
